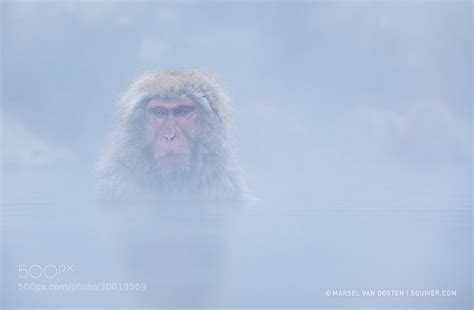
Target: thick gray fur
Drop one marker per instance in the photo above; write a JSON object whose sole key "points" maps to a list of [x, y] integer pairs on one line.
{"points": [[127, 169]]}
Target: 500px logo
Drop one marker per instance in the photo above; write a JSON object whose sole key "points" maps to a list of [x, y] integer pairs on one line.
{"points": [[46, 271]]}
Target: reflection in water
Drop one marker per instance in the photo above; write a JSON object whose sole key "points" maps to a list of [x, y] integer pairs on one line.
{"points": [[177, 251], [282, 254]]}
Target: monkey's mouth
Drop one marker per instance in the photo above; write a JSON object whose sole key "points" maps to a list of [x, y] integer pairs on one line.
{"points": [[173, 160]]}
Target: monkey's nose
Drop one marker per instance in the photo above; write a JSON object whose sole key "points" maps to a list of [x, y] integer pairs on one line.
{"points": [[170, 136]]}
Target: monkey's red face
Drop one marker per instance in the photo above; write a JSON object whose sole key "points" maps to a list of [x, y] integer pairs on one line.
{"points": [[171, 126]]}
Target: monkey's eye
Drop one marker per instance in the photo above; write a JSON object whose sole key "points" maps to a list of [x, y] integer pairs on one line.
{"points": [[183, 111], [159, 112]]}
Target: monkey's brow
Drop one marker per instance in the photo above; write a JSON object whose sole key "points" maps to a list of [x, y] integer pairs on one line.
{"points": [[178, 108], [187, 106]]}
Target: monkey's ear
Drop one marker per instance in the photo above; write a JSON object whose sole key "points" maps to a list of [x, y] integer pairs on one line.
{"points": [[203, 102], [136, 105], [207, 106]]}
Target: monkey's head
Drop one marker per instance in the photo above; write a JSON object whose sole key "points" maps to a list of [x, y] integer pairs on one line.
{"points": [[175, 119], [172, 134]]}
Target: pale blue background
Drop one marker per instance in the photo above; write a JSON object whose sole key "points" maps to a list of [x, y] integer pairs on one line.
{"points": [[358, 106]]}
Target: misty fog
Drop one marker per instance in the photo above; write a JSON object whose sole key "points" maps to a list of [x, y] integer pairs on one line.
{"points": [[353, 124]]}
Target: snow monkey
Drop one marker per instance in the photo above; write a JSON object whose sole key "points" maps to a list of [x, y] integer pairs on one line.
{"points": [[172, 141]]}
